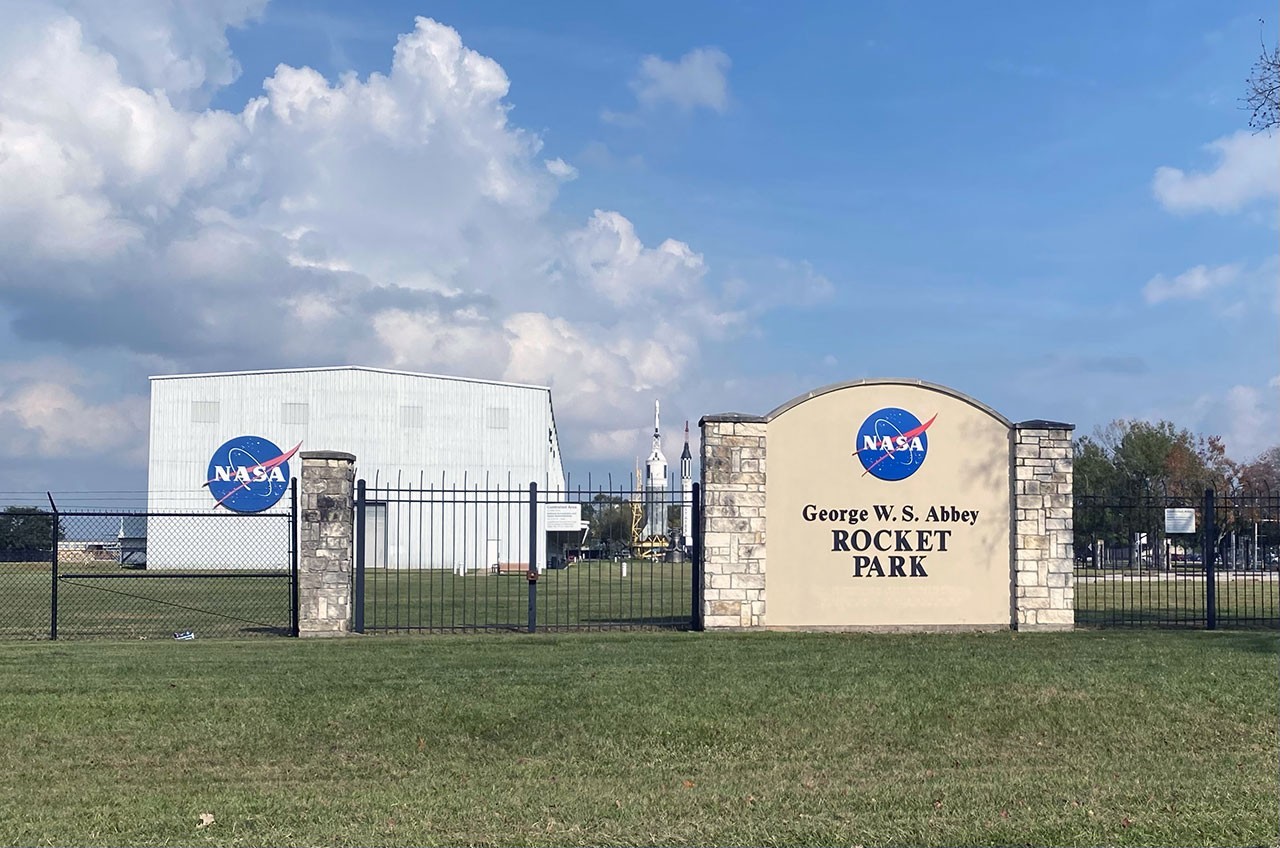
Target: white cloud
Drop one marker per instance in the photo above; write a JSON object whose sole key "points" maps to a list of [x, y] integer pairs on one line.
{"points": [[1251, 421], [44, 414], [697, 79], [87, 163], [1248, 169], [609, 255], [177, 49], [1190, 284], [561, 169], [399, 219]]}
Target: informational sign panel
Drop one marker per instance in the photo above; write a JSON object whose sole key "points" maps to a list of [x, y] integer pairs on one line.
{"points": [[564, 517], [1180, 520], [888, 505]]}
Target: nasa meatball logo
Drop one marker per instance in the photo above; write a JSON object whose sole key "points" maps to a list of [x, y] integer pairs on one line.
{"points": [[892, 443], [249, 474]]}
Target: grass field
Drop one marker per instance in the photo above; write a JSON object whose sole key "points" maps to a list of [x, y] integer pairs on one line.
{"points": [[1242, 600], [1140, 738], [120, 603], [152, 605], [590, 594]]}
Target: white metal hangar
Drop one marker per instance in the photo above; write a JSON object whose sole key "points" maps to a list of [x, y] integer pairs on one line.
{"points": [[214, 436]]}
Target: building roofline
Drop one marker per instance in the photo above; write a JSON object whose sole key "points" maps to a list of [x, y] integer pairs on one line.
{"points": [[351, 368]]}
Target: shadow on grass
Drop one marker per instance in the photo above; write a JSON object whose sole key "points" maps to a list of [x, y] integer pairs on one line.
{"points": [[1254, 642], [664, 622]]}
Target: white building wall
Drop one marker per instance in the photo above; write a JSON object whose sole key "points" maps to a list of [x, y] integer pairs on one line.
{"points": [[406, 431]]}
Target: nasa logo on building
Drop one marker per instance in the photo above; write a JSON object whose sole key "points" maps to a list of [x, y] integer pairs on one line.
{"points": [[892, 443], [249, 474]]}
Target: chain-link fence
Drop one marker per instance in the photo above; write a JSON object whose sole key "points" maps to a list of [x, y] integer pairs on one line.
{"points": [[139, 574]]}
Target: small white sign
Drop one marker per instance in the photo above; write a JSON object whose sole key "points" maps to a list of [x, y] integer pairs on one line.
{"points": [[1180, 520], [563, 517]]}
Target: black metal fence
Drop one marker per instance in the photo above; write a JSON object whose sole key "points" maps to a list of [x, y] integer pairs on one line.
{"points": [[142, 574], [1138, 563], [446, 558]]}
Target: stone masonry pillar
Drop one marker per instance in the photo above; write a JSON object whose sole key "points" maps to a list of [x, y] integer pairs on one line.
{"points": [[327, 531], [1044, 562], [733, 515]]}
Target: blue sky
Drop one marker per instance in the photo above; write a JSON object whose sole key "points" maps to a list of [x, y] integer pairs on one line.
{"points": [[1057, 209]]}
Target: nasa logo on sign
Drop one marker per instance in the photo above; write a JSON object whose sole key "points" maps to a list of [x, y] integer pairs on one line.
{"points": [[892, 443], [249, 474]]}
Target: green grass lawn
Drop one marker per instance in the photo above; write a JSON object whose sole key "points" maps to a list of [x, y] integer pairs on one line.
{"points": [[120, 603], [1134, 738], [1151, 599], [588, 595], [142, 605]]}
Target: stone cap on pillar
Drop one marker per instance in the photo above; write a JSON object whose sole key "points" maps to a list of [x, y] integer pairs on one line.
{"points": [[323, 454], [732, 417], [1041, 424]]}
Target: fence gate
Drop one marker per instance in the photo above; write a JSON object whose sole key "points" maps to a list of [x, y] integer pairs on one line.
{"points": [[1169, 561], [440, 558], [149, 575]]}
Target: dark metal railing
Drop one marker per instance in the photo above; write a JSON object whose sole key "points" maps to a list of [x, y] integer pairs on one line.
{"points": [[1129, 571], [451, 558]]}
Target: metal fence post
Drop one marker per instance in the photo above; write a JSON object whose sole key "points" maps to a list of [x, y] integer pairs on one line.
{"points": [[696, 589], [293, 557], [357, 589], [1210, 552], [53, 571], [533, 557]]}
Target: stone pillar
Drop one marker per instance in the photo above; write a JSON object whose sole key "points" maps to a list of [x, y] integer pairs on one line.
{"points": [[1043, 559], [733, 556], [325, 554]]}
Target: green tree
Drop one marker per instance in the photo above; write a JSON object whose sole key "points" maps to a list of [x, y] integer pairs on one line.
{"points": [[675, 517], [1093, 470], [609, 521], [1262, 475], [26, 528], [1141, 457], [1125, 472]]}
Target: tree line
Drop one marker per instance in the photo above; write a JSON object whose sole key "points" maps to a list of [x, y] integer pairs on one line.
{"points": [[1132, 458], [26, 530]]}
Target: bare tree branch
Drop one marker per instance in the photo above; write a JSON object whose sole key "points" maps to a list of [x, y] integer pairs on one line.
{"points": [[1262, 96]]}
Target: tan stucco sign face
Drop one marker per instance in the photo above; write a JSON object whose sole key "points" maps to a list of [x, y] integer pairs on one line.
{"points": [[887, 505]]}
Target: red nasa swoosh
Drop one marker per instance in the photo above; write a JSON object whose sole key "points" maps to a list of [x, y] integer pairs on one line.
{"points": [[268, 464], [910, 434]]}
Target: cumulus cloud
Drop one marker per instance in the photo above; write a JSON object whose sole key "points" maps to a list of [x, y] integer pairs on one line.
{"points": [[1247, 169], [177, 49], [698, 79], [45, 414], [1190, 284], [561, 169], [398, 219], [1251, 420]]}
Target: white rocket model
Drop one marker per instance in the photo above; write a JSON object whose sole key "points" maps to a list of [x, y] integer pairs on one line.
{"points": [[655, 485], [686, 491]]}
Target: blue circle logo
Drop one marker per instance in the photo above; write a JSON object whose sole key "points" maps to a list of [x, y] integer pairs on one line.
{"points": [[249, 474], [892, 443]]}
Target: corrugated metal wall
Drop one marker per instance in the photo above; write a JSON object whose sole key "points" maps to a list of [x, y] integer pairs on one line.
{"points": [[404, 429]]}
